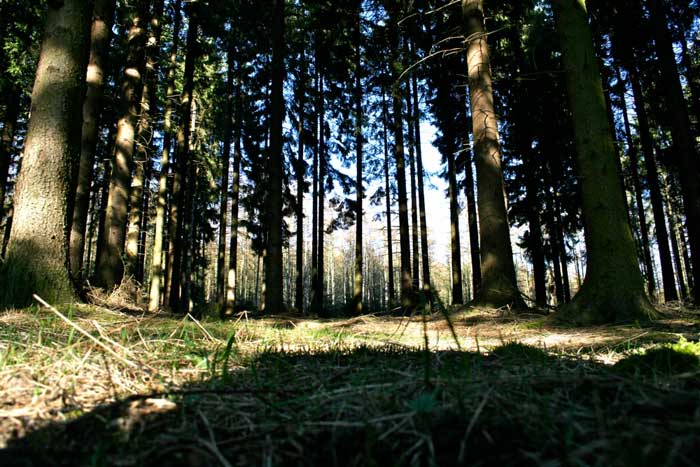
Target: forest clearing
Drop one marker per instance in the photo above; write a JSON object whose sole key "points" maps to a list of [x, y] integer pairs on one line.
{"points": [[516, 390]]}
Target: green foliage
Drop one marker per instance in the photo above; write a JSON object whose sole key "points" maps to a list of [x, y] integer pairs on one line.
{"points": [[667, 360]]}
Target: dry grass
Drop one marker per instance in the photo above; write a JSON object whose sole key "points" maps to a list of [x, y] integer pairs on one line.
{"points": [[284, 390]]}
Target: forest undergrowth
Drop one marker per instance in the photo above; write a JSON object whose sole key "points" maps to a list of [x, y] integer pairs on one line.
{"points": [[90, 386]]}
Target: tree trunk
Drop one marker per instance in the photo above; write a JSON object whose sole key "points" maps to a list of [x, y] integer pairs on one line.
{"points": [[633, 156], [613, 289], [314, 196], [6, 144], [387, 188], [157, 262], [178, 242], [273, 268], [232, 276], [407, 292], [425, 256], [415, 254], [685, 154], [669, 282], [221, 276], [498, 286], [674, 234], [37, 258], [102, 19], [300, 173], [137, 215], [358, 279], [110, 266]]}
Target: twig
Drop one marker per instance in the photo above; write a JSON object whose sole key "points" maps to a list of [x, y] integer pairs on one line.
{"points": [[84, 332]]}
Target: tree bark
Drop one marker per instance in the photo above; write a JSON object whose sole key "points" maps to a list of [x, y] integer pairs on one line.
{"points": [[359, 212], [157, 262], [37, 258], [221, 276], [669, 282], [613, 289], [273, 268], [301, 180], [415, 252], [387, 187], [498, 286], [633, 156], [110, 265], [139, 194], [686, 156], [407, 291]]}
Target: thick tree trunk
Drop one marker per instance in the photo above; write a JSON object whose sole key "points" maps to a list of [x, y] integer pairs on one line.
{"points": [[37, 258], [669, 283], [158, 260], [102, 19], [613, 289], [273, 268], [110, 265], [137, 214], [686, 156], [359, 212], [498, 282]]}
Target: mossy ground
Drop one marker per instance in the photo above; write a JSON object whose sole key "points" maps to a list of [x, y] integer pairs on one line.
{"points": [[510, 390]]}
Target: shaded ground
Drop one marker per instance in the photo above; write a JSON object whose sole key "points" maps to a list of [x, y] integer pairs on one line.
{"points": [[289, 391]]}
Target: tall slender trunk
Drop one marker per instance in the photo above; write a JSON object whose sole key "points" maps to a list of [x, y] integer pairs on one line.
{"points": [[675, 245], [314, 195], [37, 259], [183, 176], [232, 275], [102, 19], [425, 255], [110, 266], [685, 153], [221, 276], [472, 216], [137, 214], [415, 252], [455, 244], [669, 282], [158, 260], [320, 289], [613, 289], [633, 156], [407, 292], [6, 141], [387, 188], [359, 212], [498, 284], [274, 288], [300, 172], [690, 78]]}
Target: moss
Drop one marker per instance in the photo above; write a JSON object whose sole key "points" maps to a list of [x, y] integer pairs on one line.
{"points": [[515, 352], [659, 361]]}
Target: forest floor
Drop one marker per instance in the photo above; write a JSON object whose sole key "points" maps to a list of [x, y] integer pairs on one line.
{"points": [[494, 388]]}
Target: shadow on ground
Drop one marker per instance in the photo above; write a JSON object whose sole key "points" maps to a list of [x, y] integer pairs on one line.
{"points": [[392, 406]]}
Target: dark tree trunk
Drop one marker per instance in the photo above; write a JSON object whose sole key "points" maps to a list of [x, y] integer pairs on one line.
{"points": [[37, 259], [387, 188], [158, 262], [301, 180], [669, 282], [613, 289], [275, 167], [6, 144], [633, 156], [686, 156], [358, 279], [110, 265], [415, 254]]}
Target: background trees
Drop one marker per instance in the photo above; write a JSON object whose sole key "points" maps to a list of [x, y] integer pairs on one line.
{"points": [[296, 168]]}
